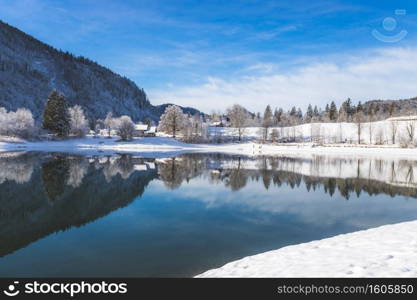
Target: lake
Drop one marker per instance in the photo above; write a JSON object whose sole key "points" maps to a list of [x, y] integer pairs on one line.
{"points": [[129, 216]]}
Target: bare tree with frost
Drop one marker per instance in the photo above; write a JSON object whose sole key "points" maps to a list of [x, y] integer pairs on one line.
{"points": [[172, 121], [78, 121], [239, 118]]}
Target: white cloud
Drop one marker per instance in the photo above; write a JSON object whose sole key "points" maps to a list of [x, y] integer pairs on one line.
{"points": [[267, 35], [375, 74]]}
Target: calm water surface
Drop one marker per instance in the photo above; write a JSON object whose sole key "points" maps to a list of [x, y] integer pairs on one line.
{"points": [[69, 215]]}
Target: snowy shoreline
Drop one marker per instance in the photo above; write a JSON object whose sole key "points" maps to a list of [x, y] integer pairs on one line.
{"points": [[386, 251], [90, 145]]}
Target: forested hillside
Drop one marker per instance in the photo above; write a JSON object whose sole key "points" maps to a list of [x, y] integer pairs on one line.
{"points": [[30, 69]]}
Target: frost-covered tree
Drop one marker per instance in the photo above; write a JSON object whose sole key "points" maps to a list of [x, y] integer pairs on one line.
{"points": [[5, 122], [23, 124], [78, 122], [172, 121], [411, 130], [55, 116], [20, 123], [77, 171], [125, 128], [274, 135], [238, 119], [195, 130], [359, 118], [109, 122], [394, 129]]}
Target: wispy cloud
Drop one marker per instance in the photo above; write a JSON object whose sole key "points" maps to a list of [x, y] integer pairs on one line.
{"points": [[267, 35], [376, 74]]}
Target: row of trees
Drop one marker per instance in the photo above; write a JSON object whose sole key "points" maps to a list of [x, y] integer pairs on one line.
{"points": [[282, 125], [191, 128], [64, 121], [58, 119], [347, 112]]}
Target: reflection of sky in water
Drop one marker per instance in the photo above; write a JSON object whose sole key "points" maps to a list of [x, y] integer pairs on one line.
{"points": [[313, 207], [198, 226]]}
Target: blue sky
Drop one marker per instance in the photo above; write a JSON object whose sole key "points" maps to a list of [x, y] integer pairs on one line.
{"points": [[211, 54]]}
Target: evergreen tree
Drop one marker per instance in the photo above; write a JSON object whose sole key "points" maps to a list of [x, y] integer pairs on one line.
{"points": [[300, 114], [333, 111], [309, 113], [316, 112], [147, 121], [278, 116], [359, 108], [327, 109], [267, 121], [348, 108], [274, 117], [55, 116]]}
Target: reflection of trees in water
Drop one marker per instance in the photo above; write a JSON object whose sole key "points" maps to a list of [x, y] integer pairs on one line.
{"points": [[236, 178], [66, 170], [347, 176], [122, 165], [77, 170], [16, 166], [55, 174], [174, 171], [64, 191], [69, 190]]}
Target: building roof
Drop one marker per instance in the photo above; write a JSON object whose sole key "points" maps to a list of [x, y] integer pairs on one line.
{"points": [[141, 127], [152, 129]]}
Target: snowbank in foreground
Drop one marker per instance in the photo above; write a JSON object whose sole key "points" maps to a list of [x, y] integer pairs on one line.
{"points": [[386, 251]]}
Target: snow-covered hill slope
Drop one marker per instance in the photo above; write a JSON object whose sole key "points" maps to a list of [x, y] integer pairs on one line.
{"points": [[386, 251]]}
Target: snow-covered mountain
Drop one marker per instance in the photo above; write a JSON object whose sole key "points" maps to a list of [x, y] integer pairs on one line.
{"points": [[30, 69]]}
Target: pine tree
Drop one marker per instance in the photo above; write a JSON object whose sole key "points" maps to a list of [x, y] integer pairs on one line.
{"points": [[267, 121], [316, 113], [349, 109], [278, 116], [275, 117], [55, 116], [309, 113], [333, 111], [300, 115]]}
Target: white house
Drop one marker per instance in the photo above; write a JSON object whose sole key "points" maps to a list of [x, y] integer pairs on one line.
{"points": [[140, 130], [151, 131], [105, 132]]}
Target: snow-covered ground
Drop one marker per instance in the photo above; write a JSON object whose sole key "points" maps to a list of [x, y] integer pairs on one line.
{"points": [[90, 145], [386, 251]]}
